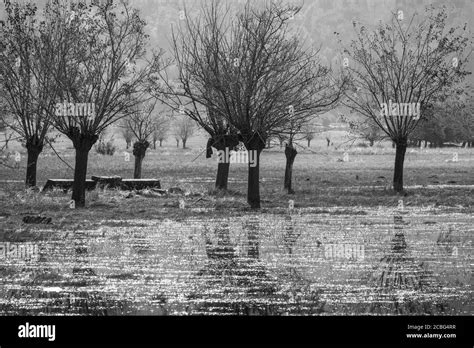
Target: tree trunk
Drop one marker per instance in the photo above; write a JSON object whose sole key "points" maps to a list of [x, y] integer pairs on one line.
{"points": [[222, 143], [309, 142], [137, 172], [371, 142], [82, 144], [177, 142], [139, 150], [33, 153], [222, 177], [253, 189], [161, 143], [80, 173], [329, 141], [154, 144], [399, 161], [184, 143], [255, 143], [290, 153]]}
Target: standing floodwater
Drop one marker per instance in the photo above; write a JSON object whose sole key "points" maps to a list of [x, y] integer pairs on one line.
{"points": [[337, 262]]}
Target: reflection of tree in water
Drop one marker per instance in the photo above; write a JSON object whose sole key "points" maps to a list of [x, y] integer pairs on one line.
{"points": [[399, 279], [302, 298], [291, 234], [233, 284], [52, 291], [241, 284]]}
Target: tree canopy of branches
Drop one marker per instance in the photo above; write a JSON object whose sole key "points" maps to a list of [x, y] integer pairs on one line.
{"points": [[246, 67], [143, 123], [452, 120], [102, 61], [26, 82], [407, 61], [309, 132]]}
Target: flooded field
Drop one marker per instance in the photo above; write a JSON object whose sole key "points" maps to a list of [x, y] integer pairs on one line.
{"points": [[308, 262]]}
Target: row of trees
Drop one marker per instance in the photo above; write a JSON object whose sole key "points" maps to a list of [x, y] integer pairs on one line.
{"points": [[241, 73], [246, 77], [451, 122], [73, 53], [158, 129], [405, 61]]}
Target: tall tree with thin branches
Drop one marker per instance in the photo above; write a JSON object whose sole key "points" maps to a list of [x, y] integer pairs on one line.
{"points": [[246, 67], [102, 63], [26, 81], [401, 65], [143, 123]]}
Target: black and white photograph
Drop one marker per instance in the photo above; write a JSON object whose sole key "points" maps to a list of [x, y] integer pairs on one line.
{"points": [[212, 166]]}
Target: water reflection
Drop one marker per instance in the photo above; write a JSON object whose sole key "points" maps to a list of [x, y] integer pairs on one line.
{"points": [[81, 259], [399, 279], [253, 264], [241, 284], [231, 283], [291, 234]]}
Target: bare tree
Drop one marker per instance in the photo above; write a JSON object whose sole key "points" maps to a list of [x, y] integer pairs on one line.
{"points": [[366, 130], [221, 135], [161, 129], [103, 63], [404, 63], [248, 69], [25, 79], [183, 129], [309, 132], [143, 123]]}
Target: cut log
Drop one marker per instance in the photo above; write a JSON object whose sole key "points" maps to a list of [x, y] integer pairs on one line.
{"points": [[109, 181]]}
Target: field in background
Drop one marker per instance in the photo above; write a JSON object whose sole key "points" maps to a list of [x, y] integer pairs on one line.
{"points": [[321, 180]]}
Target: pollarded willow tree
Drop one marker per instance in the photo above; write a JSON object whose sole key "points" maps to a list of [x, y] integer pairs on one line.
{"points": [[25, 79], [102, 63], [143, 122], [398, 70], [221, 135], [244, 67]]}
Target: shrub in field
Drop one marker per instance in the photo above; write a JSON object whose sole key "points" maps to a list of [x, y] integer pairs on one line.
{"points": [[105, 148]]}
